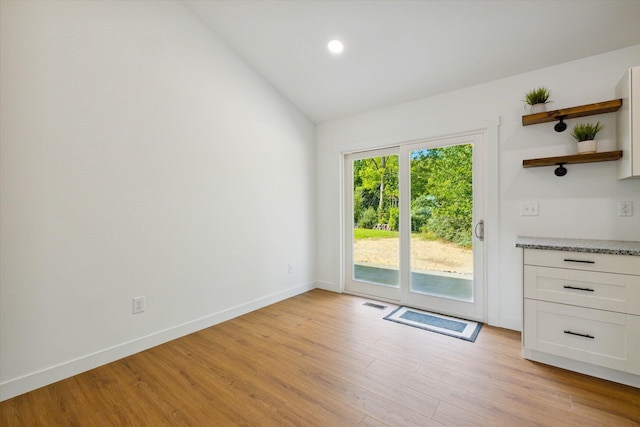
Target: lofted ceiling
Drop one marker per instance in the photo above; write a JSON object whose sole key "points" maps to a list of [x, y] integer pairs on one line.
{"points": [[398, 51]]}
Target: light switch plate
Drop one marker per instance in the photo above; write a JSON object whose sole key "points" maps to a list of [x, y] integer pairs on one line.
{"points": [[530, 209], [139, 305]]}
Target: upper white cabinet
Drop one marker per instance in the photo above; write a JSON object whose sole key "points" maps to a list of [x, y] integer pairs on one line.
{"points": [[628, 124]]}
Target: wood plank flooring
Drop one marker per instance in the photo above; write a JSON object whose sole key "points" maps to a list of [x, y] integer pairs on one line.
{"points": [[324, 359]]}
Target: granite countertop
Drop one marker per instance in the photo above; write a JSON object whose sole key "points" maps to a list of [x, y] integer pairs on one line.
{"points": [[614, 247]]}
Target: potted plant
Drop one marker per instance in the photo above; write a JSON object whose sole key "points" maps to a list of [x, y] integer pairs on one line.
{"points": [[537, 98], [585, 134]]}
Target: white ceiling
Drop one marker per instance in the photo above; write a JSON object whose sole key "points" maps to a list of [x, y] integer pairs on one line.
{"points": [[397, 51]]}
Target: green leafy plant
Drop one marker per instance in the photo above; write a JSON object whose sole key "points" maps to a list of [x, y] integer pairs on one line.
{"points": [[586, 131], [538, 95], [394, 219], [368, 218]]}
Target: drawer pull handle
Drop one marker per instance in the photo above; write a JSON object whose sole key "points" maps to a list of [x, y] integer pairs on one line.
{"points": [[578, 289], [579, 260], [580, 335]]}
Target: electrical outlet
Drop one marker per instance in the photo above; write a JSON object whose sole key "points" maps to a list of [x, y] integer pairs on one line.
{"points": [[529, 209], [139, 304], [625, 208], [290, 267]]}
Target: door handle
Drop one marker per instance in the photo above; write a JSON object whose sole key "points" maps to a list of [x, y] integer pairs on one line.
{"points": [[479, 230]]}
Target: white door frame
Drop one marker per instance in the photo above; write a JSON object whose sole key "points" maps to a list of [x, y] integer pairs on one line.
{"points": [[489, 128]]}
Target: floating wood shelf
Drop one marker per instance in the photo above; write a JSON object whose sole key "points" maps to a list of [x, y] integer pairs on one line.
{"points": [[572, 113], [560, 161]]}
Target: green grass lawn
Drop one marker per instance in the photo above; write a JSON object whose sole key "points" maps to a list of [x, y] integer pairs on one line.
{"points": [[365, 233]]}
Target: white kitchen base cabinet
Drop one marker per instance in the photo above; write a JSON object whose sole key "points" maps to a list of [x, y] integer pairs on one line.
{"points": [[603, 338], [581, 308]]}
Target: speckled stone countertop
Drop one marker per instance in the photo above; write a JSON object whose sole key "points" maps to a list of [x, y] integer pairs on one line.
{"points": [[614, 247]]}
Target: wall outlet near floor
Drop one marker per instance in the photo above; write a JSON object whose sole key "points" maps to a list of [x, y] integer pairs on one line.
{"points": [[139, 304], [625, 208], [530, 209], [290, 268]]}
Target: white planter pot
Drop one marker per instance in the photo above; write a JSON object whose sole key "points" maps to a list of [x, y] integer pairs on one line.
{"points": [[538, 108], [586, 147]]}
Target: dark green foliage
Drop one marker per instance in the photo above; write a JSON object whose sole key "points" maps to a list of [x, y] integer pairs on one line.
{"points": [[357, 204], [421, 209], [451, 184], [441, 193], [394, 219], [420, 170], [368, 218], [375, 186]]}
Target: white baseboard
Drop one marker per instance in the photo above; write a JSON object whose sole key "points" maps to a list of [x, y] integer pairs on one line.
{"points": [[333, 287], [583, 368], [34, 380]]}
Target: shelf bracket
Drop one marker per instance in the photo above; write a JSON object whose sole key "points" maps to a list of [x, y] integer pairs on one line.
{"points": [[561, 125], [560, 170]]}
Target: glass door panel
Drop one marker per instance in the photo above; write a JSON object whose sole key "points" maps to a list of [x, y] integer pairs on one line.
{"points": [[373, 252], [444, 253], [441, 222]]}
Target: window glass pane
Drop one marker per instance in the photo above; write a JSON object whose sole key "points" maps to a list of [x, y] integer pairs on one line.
{"points": [[376, 215], [441, 222]]}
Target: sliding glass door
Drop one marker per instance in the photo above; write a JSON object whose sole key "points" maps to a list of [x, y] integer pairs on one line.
{"points": [[415, 233]]}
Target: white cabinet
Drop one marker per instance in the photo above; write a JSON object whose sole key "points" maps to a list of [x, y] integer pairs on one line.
{"points": [[582, 312], [628, 124]]}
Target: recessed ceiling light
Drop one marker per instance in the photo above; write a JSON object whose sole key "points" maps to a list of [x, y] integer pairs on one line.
{"points": [[335, 46]]}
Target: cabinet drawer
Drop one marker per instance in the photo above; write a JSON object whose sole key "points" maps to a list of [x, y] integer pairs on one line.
{"points": [[592, 289], [624, 264], [593, 336]]}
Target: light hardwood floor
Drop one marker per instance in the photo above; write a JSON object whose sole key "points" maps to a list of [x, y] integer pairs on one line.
{"points": [[328, 360]]}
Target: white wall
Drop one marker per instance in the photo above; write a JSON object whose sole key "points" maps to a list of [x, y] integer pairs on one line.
{"points": [[139, 156], [583, 204]]}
